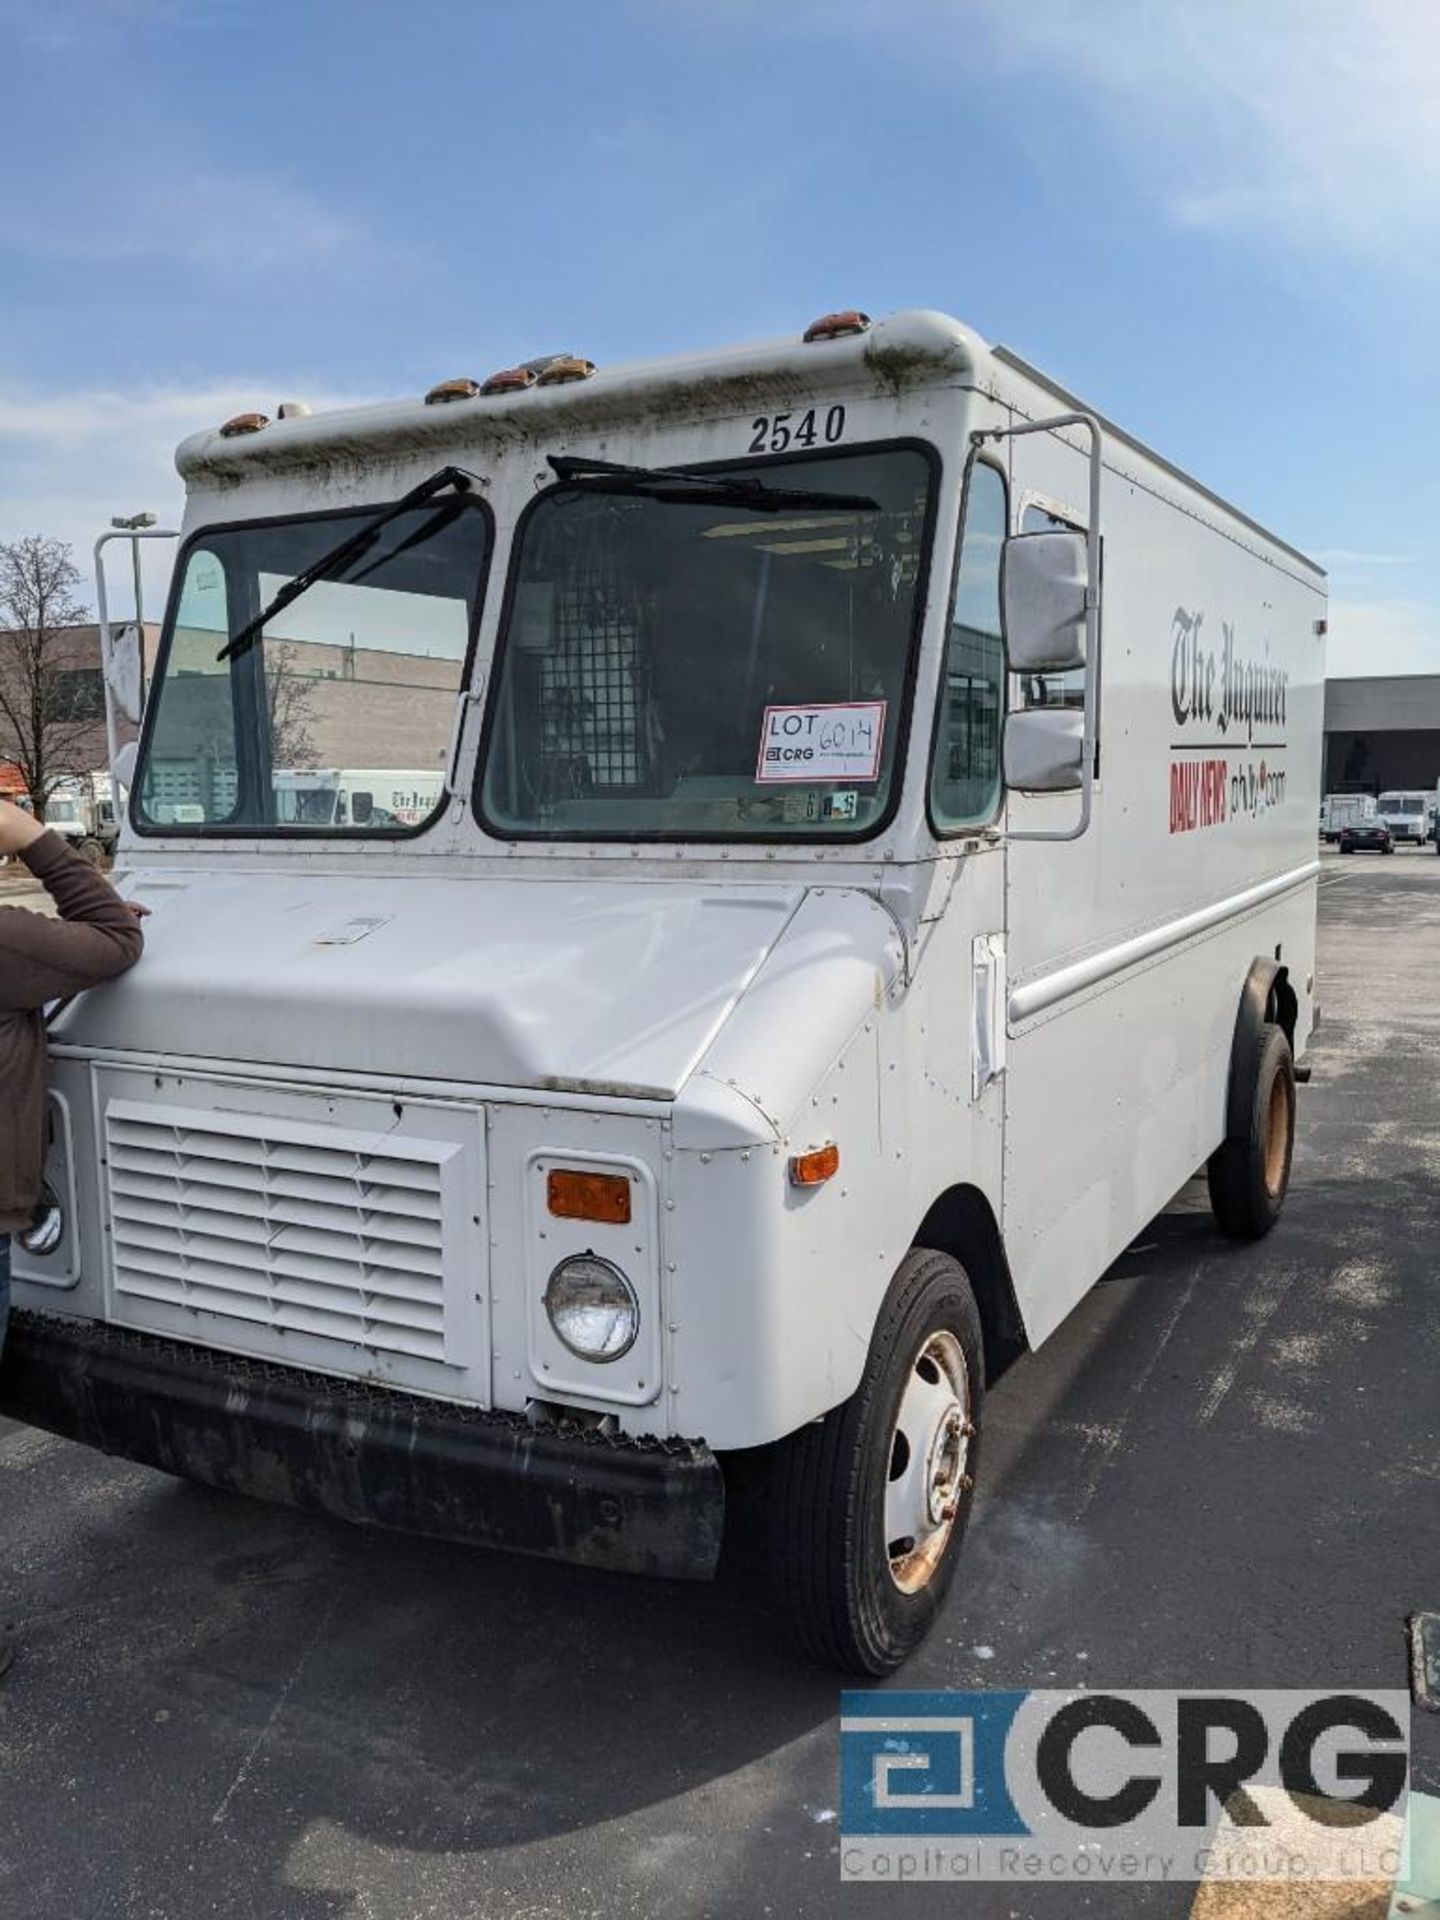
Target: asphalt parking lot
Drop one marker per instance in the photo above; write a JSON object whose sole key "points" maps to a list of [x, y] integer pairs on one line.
{"points": [[1225, 1469]]}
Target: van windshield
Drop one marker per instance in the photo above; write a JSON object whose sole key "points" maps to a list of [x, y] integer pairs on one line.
{"points": [[337, 720], [697, 668], [1401, 803]]}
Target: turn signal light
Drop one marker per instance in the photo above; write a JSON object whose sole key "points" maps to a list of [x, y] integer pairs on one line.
{"points": [[589, 1196], [244, 423], [509, 380], [461, 389], [815, 1168], [830, 326], [564, 368]]}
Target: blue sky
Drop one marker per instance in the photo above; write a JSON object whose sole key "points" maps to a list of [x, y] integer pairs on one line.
{"points": [[1219, 222]]}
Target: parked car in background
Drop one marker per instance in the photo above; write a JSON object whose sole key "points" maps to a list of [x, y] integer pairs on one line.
{"points": [[1367, 836]]}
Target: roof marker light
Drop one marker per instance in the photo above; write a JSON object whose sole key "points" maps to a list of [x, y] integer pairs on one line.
{"points": [[294, 410], [564, 368], [244, 423], [813, 1169], [509, 380], [447, 390], [831, 326]]}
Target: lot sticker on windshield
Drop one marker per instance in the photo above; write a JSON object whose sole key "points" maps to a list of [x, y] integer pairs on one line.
{"points": [[828, 742]]}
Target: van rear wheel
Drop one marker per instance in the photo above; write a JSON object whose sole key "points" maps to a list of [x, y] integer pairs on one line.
{"points": [[1249, 1175], [871, 1502]]}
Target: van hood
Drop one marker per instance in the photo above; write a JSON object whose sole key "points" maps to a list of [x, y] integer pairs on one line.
{"points": [[615, 987]]}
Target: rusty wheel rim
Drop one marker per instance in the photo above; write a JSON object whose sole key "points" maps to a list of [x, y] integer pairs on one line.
{"points": [[928, 1462], [1277, 1136]]}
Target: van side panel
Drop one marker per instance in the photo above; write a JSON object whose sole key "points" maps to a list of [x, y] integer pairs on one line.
{"points": [[1129, 947]]}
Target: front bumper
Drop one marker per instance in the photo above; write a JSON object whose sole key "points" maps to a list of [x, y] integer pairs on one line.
{"points": [[367, 1453]]}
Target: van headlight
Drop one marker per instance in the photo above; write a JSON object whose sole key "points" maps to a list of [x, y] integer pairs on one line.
{"points": [[592, 1307]]}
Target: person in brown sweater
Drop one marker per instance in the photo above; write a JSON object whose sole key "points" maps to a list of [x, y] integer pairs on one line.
{"points": [[96, 937]]}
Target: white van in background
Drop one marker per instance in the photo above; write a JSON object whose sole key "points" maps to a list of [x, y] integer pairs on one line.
{"points": [[356, 796], [1340, 810], [1408, 815]]}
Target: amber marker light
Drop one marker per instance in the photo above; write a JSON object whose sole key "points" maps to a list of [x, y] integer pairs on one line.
{"points": [[589, 1196], [813, 1169], [510, 380], [462, 389], [564, 368], [832, 326], [244, 423]]}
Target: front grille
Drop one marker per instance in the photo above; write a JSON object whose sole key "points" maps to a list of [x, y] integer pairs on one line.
{"points": [[298, 1228]]}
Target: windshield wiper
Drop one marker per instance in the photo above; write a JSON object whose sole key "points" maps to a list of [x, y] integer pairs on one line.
{"points": [[339, 558], [676, 486]]}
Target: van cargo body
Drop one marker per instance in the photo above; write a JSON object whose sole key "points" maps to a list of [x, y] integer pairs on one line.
{"points": [[867, 867]]}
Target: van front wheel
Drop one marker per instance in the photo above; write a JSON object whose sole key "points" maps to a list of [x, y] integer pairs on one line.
{"points": [[1249, 1175], [872, 1501]]}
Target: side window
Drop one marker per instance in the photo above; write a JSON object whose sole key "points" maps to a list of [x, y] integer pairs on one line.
{"points": [[1050, 689], [965, 770]]}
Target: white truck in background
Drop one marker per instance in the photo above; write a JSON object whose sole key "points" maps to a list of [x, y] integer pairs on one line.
{"points": [[848, 916], [357, 796], [82, 811], [1340, 810], [1407, 813]]}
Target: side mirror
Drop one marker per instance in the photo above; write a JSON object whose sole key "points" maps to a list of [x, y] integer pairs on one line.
{"points": [[1045, 749], [362, 808], [123, 767], [1043, 583], [125, 672]]}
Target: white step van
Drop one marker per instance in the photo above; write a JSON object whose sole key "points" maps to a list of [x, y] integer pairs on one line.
{"points": [[1407, 815], [871, 868]]}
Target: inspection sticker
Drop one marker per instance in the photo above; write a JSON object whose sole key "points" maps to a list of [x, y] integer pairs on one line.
{"points": [[839, 741]]}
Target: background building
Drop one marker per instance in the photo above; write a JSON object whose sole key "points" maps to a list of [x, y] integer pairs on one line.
{"points": [[75, 693], [1382, 732]]}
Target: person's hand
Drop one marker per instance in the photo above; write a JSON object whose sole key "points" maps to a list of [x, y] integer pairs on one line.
{"points": [[138, 908], [18, 829]]}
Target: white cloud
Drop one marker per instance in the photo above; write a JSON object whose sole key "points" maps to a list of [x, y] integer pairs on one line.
{"points": [[69, 461], [1315, 122], [1382, 636]]}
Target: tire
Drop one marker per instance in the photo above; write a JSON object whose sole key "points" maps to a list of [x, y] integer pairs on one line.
{"points": [[1345, 849], [1250, 1176], [91, 852], [839, 1484]]}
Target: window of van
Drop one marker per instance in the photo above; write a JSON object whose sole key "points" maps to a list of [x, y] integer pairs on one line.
{"points": [[965, 765], [693, 666], [338, 718]]}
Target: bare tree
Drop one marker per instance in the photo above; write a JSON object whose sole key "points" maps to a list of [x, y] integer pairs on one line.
{"points": [[289, 698], [44, 727]]}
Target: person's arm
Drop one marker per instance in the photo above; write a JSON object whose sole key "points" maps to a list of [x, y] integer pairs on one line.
{"points": [[96, 937]]}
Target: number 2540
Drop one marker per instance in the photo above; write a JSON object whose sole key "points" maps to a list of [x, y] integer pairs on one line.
{"points": [[773, 433]]}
